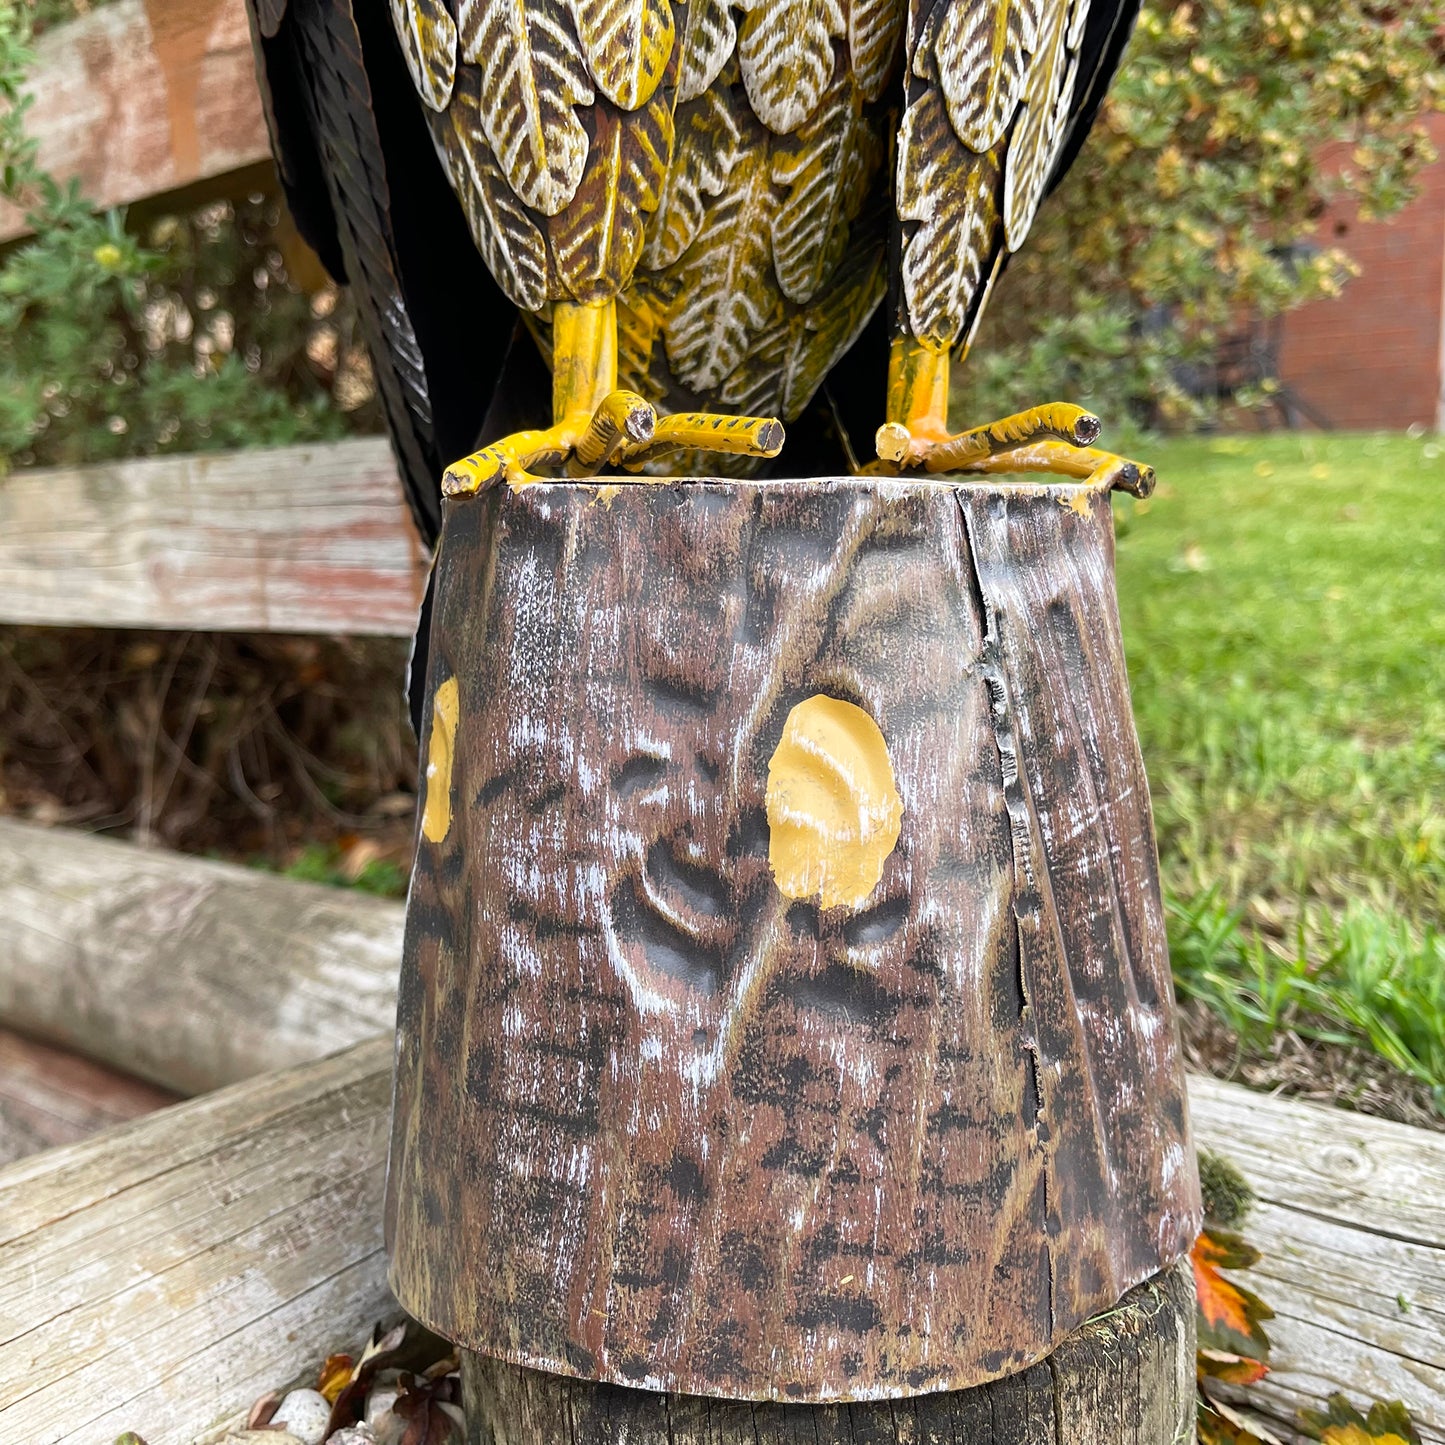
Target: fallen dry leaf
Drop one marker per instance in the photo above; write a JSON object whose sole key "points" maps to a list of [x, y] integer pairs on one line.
{"points": [[336, 1375], [1229, 1314], [1388, 1423], [1231, 1369]]}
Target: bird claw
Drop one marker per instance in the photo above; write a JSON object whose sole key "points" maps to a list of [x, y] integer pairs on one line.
{"points": [[1055, 438], [749, 436], [624, 430]]}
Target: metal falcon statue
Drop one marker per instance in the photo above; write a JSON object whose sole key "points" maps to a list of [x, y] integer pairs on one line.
{"points": [[696, 205]]}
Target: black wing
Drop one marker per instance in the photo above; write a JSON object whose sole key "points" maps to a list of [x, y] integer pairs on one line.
{"points": [[368, 192]]}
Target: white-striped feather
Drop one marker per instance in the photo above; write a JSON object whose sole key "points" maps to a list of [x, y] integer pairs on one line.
{"points": [[874, 27], [709, 37], [1044, 118], [596, 241], [428, 38], [979, 52], [708, 144], [727, 291], [824, 168], [627, 44], [509, 239], [790, 359], [532, 78], [785, 49], [951, 193]]}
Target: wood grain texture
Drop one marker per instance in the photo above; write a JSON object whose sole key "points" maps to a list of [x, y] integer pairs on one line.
{"points": [[1351, 1230], [161, 1276], [1353, 1218], [1127, 1377], [49, 1097], [286, 539], [142, 97], [658, 1125], [188, 973]]}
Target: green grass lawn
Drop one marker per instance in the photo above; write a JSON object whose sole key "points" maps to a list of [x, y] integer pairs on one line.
{"points": [[1283, 601]]}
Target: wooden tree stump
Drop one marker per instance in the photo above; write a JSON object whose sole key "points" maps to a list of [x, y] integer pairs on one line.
{"points": [[786, 1012], [1127, 1376]]}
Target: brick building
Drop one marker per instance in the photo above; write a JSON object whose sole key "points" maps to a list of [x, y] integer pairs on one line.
{"points": [[1375, 357]]}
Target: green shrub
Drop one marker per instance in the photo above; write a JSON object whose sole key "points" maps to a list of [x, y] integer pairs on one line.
{"points": [[186, 335], [1202, 177]]}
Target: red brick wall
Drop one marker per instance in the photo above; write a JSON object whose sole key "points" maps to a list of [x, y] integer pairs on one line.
{"points": [[1372, 357]]}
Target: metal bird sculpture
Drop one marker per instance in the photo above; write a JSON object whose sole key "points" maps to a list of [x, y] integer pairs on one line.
{"points": [[696, 206]]}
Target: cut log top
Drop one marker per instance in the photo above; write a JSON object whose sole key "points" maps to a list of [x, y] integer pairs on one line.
{"points": [[889, 1114]]}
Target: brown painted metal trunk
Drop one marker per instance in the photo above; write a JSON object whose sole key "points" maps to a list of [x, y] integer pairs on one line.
{"points": [[662, 1123]]}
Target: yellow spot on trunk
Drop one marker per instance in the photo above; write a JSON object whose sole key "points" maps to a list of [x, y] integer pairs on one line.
{"points": [[833, 806], [436, 818]]}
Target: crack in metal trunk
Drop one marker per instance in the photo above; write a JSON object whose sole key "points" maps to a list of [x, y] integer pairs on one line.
{"points": [[1027, 899]]}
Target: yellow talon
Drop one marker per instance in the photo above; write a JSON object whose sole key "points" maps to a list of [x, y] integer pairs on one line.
{"points": [[597, 425], [1055, 438], [752, 436]]}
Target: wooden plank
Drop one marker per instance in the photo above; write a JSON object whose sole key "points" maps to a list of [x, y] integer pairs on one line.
{"points": [[188, 973], [50, 1097], [159, 1277], [143, 97], [285, 539], [97, 934], [1351, 1224]]}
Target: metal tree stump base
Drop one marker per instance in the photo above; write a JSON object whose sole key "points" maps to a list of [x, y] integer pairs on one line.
{"points": [[785, 1012], [1126, 1376]]}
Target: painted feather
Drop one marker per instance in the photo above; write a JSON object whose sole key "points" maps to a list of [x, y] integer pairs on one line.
{"points": [[951, 192], [786, 53], [823, 168], [1043, 122], [627, 44], [874, 28], [506, 234], [428, 38], [980, 54], [727, 291], [708, 144], [532, 79], [709, 37], [791, 359], [597, 240]]}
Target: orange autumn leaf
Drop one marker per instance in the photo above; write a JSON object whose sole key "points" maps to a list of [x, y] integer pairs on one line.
{"points": [[1229, 1314], [335, 1376], [1230, 1368]]}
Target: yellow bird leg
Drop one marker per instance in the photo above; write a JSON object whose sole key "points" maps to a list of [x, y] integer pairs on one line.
{"points": [[594, 425], [1054, 437], [1100, 469], [751, 436], [623, 420]]}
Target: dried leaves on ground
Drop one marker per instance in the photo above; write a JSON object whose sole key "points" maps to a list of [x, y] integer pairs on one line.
{"points": [[291, 750]]}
